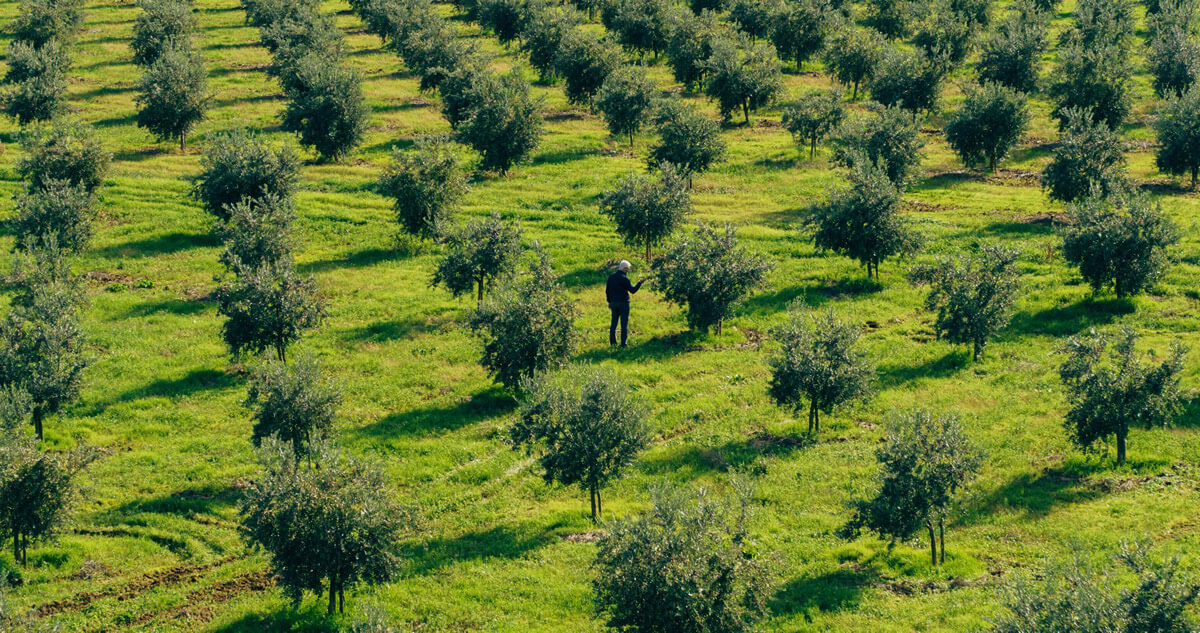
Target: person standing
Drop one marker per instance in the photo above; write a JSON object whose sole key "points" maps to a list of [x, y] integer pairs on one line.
{"points": [[618, 291]]}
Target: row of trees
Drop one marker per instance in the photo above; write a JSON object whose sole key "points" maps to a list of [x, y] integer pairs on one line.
{"points": [[326, 107], [39, 57], [42, 358]]}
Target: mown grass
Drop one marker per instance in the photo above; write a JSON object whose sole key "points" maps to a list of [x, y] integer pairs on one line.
{"points": [[492, 553]]}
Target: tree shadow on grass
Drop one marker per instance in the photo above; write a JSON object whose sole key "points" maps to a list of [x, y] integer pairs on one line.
{"points": [[1034, 495], [160, 245], [394, 330], [692, 460], [838, 590], [440, 419], [946, 365], [1071, 319], [361, 259], [177, 307], [195, 382], [657, 348], [1190, 418], [310, 619], [813, 295], [584, 278], [505, 542], [204, 499]]}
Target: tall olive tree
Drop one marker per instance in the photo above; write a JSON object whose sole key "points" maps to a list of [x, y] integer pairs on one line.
{"points": [[64, 150], [626, 100], [425, 186], [257, 232], [584, 61], [1119, 244], [527, 325], [814, 117], [478, 253], [889, 139], [924, 461], [268, 308], [505, 125], [1010, 55], [688, 563], [327, 107], [59, 211], [646, 212], [238, 165], [742, 75], [37, 491], [585, 425], [1178, 127], [852, 56], [294, 404], [1089, 160], [158, 26], [863, 221], [688, 140], [819, 361], [173, 94], [801, 29], [708, 272], [973, 299], [36, 81], [326, 526], [1111, 390], [987, 126]]}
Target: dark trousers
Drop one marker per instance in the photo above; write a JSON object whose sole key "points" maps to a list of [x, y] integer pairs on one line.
{"points": [[620, 312]]}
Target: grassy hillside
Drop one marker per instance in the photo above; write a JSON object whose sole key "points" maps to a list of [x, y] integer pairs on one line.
{"points": [[155, 545]]}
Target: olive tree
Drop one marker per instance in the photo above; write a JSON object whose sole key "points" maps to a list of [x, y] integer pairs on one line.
{"points": [[294, 404], [973, 299], [1112, 390], [268, 308], [465, 87], [686, 564], [584, 62], [542, 36], [238, 165], [646, 212], [688, 140], [327, 107], [754, 18], [924, 461], [801, 29], [863, 221], [257, 232], [1119, 244], [505, 125], [814, 117], [852, 56], [892, 18], [40, 22], [504, 18], [173, 95], [987, 126], [425, 186], [43, 350], [1089, 160], [889, 139], [325, 526], [60, 211], [1094, 78], [1010, 55], [742, 75], [1173, 59], [642, 26], [37, 491], [478, 253], [527, 325], [690, 46], [819, 362], [65, 150], [1178, 127], [1078, 597], [584, 424], [626, 100], [36, 81], [158, 26], [908, 80], [708, 272]]}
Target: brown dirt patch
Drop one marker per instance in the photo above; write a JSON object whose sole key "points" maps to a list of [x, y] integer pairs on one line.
{"points": [[591, 536], [179, 574]]}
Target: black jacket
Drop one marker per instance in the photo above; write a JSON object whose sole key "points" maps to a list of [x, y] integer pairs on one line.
{"points": [[619, 288]]}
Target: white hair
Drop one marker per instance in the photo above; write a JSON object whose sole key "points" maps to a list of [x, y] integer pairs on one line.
{"points": [[623, 265]]}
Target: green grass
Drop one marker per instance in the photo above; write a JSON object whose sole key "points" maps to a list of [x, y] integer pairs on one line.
{"points": [[155, 544]]}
